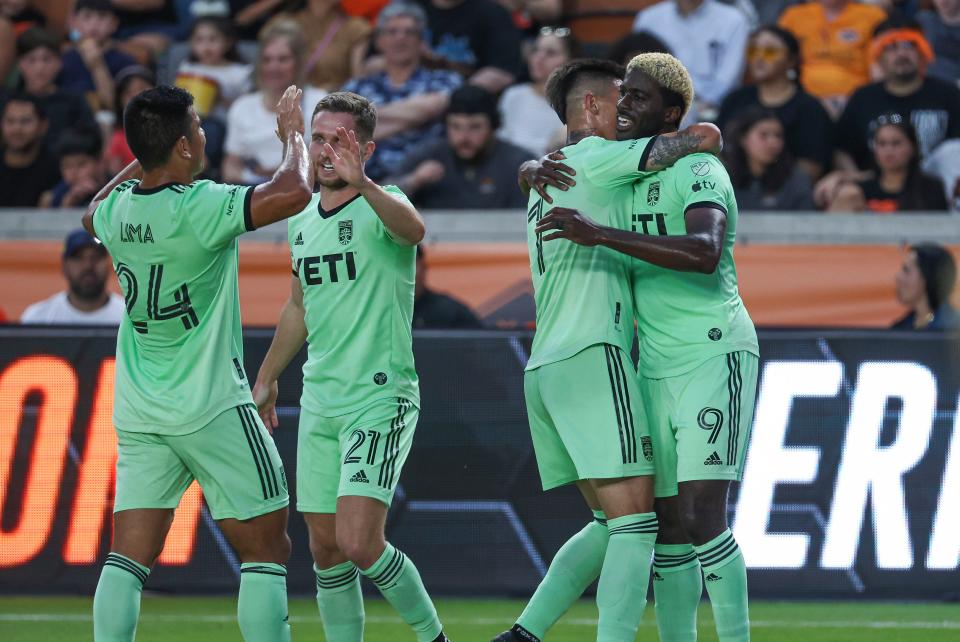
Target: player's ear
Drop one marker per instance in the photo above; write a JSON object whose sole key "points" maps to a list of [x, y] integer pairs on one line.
{"points": [[368, 148], [183, 148], [672, 115], [590, 103]]}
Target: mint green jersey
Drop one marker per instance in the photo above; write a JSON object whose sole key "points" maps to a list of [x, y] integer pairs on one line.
{"points": [[686, 318], [358, 284], [582, 293], [179, 347]]}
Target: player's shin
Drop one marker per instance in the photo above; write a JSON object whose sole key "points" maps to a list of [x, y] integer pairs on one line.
{"points": [[397, 578], [262, 606], [116, 604], [341, 602], [725, 574], [677, 587], [622, 592]]}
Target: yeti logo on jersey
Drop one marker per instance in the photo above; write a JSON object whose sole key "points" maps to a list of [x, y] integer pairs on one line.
{"points": [[701, 168], [647, 445], [715, 334], [346, 232], [313, 272], [653, 194], [380, 378]]}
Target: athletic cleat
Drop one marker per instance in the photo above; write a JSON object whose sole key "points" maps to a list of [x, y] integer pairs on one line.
{"points": [[506, 636], [442, 638], [516, 634]]}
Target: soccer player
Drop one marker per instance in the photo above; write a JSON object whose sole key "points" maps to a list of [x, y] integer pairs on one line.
{"points": [[698, 352], [581, 391], [353, 250], [182, 408]]}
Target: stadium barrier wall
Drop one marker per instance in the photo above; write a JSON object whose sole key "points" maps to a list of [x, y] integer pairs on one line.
{"points": [[851, 488]]}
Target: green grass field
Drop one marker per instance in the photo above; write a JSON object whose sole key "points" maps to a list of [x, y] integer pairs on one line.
{"points": [[163, 619]]}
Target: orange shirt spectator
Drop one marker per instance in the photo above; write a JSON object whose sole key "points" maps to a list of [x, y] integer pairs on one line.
{"points": [[834, 40]]}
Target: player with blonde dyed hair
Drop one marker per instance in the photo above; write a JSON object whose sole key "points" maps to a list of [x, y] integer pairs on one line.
{"points": [[668, 72]]}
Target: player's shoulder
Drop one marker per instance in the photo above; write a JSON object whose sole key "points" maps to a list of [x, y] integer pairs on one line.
{"points": [[698, 165]]}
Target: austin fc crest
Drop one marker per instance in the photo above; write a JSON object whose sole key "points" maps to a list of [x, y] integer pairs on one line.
{"points": [[653, 194], [346, 232]]}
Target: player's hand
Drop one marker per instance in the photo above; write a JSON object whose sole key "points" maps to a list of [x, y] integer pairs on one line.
{"points": [[548, 172], [348, 162], [289, 113], [570, 224], [265, 396]]}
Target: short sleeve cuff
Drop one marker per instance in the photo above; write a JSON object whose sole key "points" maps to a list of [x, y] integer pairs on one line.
{"points": [[248, 210], [646, 154], [706, 204]]}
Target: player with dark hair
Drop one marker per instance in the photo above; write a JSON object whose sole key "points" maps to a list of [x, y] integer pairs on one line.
{"points": [[698, 350], [353, 250], [583, 401], [183, 409]]}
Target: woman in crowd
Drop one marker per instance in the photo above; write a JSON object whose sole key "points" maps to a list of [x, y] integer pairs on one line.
{"points": [[764, 175], [897, 184], [924, 285], [252, 151], [528, 120], [773, 62]]}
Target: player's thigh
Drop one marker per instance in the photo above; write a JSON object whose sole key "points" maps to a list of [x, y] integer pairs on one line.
{"points": [[714, 414], [659, 405], [260, 539], [318, 462], [374, 446], [360, 528], [624, 496], [553, 462], [237, 465], [139, 533], [595, 403], [150, 474]]}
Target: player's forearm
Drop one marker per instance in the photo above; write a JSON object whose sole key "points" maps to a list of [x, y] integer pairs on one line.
{"points": [[132, 170], [289, 190], [399, 217], [667, 149], [287, 341], [687, 253]]}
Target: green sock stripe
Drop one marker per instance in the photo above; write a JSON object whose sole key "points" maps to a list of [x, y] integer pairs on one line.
{"points": [[714, 545], [263, 570], [142, 579], [119, 561], [660, 563], [716, 556], [626, 530], [332, 583], [386, 577]]}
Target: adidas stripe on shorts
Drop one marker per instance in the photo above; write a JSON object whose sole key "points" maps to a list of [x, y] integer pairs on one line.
{"points": [[586, 418], [359, 453], [233, 458], [700, 421]]}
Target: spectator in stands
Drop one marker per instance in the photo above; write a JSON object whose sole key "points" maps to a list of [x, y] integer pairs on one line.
{"points": [[214, 73], [477, 39], [433, 310], [411, 99], [22, 14], [147, 26], [769, 11], [91, 65], [925, 284], [763, 173], [130, 82], [527, 118], [471, 168], [634, 44], [932, 106], [86, 301], [250, 16], [252, 151], [942, 28], [28, 169], [773, 60], [38, 60], [834, 40], [81, 166], [529, 16], [336, 43], [897, 183], [709, 38], [944, 163]]}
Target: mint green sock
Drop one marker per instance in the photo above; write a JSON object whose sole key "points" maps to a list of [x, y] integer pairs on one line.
{"points": [[725, 575], [622, 592], [341, 602], [116, 604], [574, 567], [398, 580], [262, 606], [677, 587]]}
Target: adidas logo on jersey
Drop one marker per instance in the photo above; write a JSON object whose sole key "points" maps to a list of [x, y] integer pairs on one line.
{"points": [[360, 478], [712, 577], [299, 239], [713, 460]]}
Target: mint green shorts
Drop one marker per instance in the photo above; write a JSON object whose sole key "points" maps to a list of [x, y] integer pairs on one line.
{"points": [[586, 418], [233, 458], [360, 453], [700, 421]]}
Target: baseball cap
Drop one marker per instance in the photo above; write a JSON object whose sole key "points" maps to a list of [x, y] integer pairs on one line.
{"points": [[77, 240]]}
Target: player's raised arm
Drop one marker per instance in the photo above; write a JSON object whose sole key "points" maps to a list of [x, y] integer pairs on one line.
{"points": [[287, 341], [290, 189], [133, 170]]}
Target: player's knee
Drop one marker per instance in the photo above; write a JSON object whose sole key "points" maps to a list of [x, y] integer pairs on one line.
{"points": [[363, 549], [324, 549], [701, 519]]}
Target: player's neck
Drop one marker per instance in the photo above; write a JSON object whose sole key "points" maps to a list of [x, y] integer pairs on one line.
{"points": [[165, 176], [576, 134], [333, 198]]}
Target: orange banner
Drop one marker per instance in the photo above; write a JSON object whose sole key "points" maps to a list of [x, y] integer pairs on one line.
{"points": [[783, 285]]}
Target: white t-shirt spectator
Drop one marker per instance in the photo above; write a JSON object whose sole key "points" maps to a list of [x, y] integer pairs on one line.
{"points": [[711, 42], [944, 163], [251, 131], [57, 310], [527, 119]]}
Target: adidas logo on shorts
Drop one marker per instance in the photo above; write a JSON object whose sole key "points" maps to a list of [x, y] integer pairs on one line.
{"points": [[360, 478], [713, 460], [299, 239]]}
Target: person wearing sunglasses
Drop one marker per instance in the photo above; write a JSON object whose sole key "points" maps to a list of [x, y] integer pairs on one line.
{"points": [[773, 65]]}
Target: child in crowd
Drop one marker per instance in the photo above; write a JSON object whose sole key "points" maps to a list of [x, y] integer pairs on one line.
{"points": [[214, 73], [81, 170]]}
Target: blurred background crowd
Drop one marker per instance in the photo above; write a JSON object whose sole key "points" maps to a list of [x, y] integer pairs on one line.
{"points": [[829, 105]]}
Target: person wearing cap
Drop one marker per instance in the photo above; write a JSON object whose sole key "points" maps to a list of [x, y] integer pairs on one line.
{"points": [[925, 283], [86, 301], [470, 168]]}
